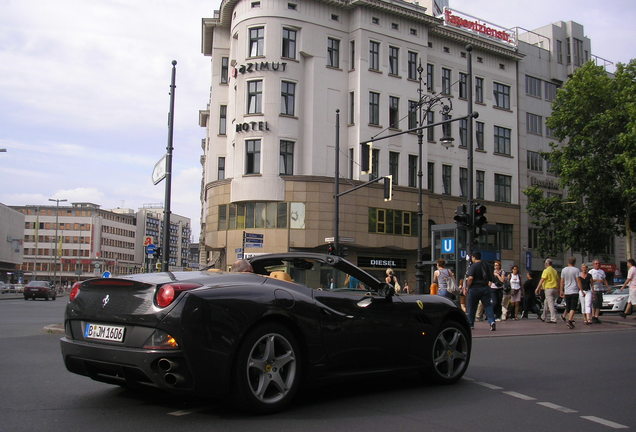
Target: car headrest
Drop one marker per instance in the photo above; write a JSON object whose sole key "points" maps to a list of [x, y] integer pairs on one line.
{"points": [[282, 275]]}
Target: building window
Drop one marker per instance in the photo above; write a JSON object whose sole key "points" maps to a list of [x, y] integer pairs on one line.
{"points": [[463, 133], [446, 81], [222, 222], [352, 55], [550, 91], [535, 161], [502, 140], [264, 215], [375, 20], [479, 90], [374, 108], [479, 135], [430, 75], [503, 188], [286, 157], [291, 6], [430, 132], [412, 171], [394, 112], [533, 86], [502, 95], [559, 50], [375, 164], [255, 97], [394, 55], [350, 163], [253, 156], [333, 52], [569, 51], [412, 117], [374, 55], [221, 168], [289, 43], [446, 127], [480, 184], [222, 119], [463, 181], [446, 179], [463, 84], [548, 132], [288, 97], [225, 64], [394, 166], [335, 17], [578, 52], [506, 236], [430, 176], [534, 124], [412, 65], [257, 41], [352, 107]]}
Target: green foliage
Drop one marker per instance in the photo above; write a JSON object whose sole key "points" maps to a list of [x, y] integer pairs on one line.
{"points": [[594, 117]]}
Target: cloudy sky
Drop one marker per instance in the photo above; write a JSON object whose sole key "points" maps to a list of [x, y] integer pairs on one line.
{"points": [[84, 91]]}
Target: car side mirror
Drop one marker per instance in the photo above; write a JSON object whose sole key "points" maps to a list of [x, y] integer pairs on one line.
{"points": [[386, 290]]}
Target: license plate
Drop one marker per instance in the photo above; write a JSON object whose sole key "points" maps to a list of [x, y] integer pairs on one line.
{"points": [[104, 332]]}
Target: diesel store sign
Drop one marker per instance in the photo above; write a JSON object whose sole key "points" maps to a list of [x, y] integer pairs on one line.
{"points": [[373, 262]]}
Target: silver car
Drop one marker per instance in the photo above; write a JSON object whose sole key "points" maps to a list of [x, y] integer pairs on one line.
{"points": [[615, 299]]}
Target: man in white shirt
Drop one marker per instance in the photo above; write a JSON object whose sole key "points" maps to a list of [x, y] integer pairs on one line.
{"points": [[599, 286], [631, 282], [570, 287]]}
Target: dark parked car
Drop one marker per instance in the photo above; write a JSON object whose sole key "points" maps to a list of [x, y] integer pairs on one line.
{"points": [[255, 338], [35, 289]]}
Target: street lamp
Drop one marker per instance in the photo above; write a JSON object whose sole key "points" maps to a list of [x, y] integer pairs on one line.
{"points": [[57, 214]]}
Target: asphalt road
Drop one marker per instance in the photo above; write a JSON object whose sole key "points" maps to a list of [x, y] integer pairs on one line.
{"points": [[552, 382]]}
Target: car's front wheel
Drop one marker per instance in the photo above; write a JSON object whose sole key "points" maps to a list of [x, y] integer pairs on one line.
{"points": [[267, 374], [450, 354]]}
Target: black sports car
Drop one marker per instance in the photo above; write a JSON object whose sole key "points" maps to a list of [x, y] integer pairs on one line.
{"points": [[256, 337]]}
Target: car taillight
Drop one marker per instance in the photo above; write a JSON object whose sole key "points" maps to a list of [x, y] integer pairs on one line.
{"points": [[74, 291], [167, 293]]}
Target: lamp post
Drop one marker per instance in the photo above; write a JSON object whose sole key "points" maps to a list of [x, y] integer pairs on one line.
{"points": [[430, 102], [57, 214]]}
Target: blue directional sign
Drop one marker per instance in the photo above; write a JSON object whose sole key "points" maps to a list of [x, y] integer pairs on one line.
{"points": [[106, 274], [253, 237], [448, 245], [151, 248]]}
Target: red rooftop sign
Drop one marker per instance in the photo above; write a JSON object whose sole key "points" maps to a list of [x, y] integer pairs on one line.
{"points": [[479, 27]]}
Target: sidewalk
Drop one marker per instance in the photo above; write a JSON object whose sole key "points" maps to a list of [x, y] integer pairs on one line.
{"points": [[533, 326]]}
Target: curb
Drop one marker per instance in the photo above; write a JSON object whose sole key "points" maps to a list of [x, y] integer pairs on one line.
{"points": [[54, 329]]}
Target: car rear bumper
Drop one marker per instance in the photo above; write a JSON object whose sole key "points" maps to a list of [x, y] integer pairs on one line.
{"points": [[167, 370]]}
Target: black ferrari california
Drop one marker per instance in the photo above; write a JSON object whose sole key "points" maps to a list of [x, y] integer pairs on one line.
{"points": [[257, 337]]}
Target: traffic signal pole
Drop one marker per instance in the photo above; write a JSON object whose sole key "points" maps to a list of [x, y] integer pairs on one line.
{"points": [[470, 237]]}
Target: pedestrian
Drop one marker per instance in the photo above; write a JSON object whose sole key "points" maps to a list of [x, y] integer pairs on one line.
{"points": [[478, 278], [585, 294], [570, 287], [392, 280], [442, 278], [499, 277], [599, 286], [406, 288], [529, 297], [549, 283], [514, 279], [631, 282]]}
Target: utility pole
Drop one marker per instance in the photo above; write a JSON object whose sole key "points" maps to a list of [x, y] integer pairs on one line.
{"points": [[57, 214], [166, 210]]}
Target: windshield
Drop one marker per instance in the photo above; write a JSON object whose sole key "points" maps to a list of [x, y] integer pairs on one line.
{"points": [[617, 290]]}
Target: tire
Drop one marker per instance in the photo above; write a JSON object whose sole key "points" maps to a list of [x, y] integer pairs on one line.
{"points": [[267, 372], [450, 354]]}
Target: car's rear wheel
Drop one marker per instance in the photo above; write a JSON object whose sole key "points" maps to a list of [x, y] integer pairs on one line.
{"points": [[267, 374], [450, 354]]}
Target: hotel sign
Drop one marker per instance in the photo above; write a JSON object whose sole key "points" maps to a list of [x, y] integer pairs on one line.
{"points": [[258, 67], [479, 27]]}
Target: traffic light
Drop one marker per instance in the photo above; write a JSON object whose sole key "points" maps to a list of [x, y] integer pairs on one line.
{"points": [[365, 157], [480, 219], [344, 251], [331, 249], [461, 217], [157, 253], [388, 188]]}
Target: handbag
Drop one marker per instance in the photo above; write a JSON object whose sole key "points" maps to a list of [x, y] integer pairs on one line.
{"points": [[396, 285], [451, 286], [507, 288]]}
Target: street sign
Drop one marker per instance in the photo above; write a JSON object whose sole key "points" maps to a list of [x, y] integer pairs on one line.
{"points": [[106, 274], [148, 240], [448, 245], [340, 239], [151, 249], [254, 245], [238, 250], [253, 237], [239, 256], [159, 172]]}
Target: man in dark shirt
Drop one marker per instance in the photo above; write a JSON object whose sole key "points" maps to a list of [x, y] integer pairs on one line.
{"points": [[478, 278]]}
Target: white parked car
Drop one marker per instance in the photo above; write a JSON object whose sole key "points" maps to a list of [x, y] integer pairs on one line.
{"points": [[615, 299]]}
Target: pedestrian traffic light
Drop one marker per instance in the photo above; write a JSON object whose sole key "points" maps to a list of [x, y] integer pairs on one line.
{"points": [[480, 219], [331, 249], [365, 157], [461, 217], [388, 188], [157, 253]]}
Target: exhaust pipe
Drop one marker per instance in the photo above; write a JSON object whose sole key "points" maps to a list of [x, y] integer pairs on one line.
{"points": [[167, 365], [173, 379]]}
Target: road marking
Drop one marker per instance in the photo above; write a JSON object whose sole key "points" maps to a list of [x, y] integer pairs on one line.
{"points": [[556, 407], [469, 379], [185, 412], [605, 422], [519, 395], [490, 386]]}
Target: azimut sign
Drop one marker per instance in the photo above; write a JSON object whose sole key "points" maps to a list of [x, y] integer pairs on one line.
{"points": [[481, 28]]}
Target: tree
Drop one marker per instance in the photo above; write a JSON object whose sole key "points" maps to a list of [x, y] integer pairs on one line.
{"points": [[594, 118]]}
